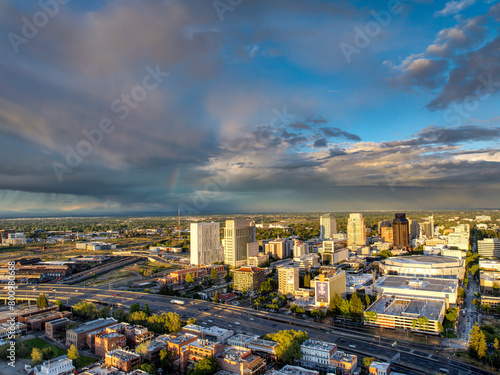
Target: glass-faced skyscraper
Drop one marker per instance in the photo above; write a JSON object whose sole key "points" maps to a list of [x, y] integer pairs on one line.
{"points": [[401, 231], [327, 226]]}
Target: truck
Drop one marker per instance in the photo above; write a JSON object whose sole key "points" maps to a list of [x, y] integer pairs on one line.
{"points": [[177, 301]]}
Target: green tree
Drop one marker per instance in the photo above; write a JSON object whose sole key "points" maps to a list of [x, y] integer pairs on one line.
{"points": [[149, 368], [85, 309], [166, 360], [297, 309], [213, 274], [345, 308], [335, 305], [206, 366], [367, 361], [216, 297], [138, 317], [307, 281], [104, 312], [496, 344], [47, 353], [73, 353], [461, 293], [191, 321], [189, 278], [289, 344], [147, 309], [135, 307], [142, 350], [36, 356], [482, 348], [317, 313], [356, 307], [121, 315], [59, 304], [42, 302]]}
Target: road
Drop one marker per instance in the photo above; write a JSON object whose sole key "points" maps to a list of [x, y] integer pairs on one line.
{"points": [[415, 358]]}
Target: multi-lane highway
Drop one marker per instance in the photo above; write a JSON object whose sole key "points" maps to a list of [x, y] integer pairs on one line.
{"points": [[414, 358]]}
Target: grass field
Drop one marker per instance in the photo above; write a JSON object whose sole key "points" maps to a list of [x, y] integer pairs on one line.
{"points": [[41, 344]]}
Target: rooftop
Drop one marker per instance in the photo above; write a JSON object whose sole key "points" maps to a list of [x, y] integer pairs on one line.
{"points": [[318, 345], [249, 269], [343, 357], [402, 306], [380, 365], [93, 325], [182, 338], [293, 370], [437, 261], [421, 283], [235, 353], [123, 355]]}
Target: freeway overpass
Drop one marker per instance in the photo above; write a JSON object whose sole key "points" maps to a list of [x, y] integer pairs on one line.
{"points": [[413, 358]]}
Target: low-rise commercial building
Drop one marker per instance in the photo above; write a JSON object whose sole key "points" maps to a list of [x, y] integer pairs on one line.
{"points": [[122, 359], [240, 361], [343, 362], [78, 336], [56, 328], [316, 354], [292, 370], [38, 322], [108, 341], [56, 366], [380, 368]]}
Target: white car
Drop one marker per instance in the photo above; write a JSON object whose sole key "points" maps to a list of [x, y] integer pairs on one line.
{"points": [[237, 323]]}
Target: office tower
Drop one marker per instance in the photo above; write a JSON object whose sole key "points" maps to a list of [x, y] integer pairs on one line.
{"points": [[288, 280], [333, 253], [237, 234], [414, 229], [356, 230], [385, 230], [327, 226], [401, 231], [383, 223], [248, 278], [489, 248], [426, 229], [460, 237], [205, 244], [326, 284], [300, 248], [278, 248]]}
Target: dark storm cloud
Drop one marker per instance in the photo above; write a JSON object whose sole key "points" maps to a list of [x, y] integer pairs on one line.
{"points": [[338, 133], [320, 143], [449, 136]]}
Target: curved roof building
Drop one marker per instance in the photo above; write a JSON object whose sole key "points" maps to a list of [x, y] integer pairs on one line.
{"points": [[423, 265]]}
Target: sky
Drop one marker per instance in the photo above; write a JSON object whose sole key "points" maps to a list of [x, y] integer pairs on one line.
{"points": [[248, 106]]}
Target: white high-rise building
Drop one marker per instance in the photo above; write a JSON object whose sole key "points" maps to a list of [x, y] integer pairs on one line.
{"points": [[237, 235], [327, 226], [205, 244], [356, 230]]}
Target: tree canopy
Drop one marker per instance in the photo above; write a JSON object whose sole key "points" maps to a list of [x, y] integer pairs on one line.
{"points": [[289, 344]]}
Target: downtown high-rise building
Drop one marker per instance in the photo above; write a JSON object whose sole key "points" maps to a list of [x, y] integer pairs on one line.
{"points": [[356, 230], [238, 235], [400, 231], [288, 280], [327, 226], [205, 244], [414, 229]]}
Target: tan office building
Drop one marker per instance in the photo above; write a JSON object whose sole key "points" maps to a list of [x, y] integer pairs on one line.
{"points": [[288, 280], [248, 278]]}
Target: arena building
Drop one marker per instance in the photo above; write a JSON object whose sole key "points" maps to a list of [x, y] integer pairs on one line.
{"points": [[424, 266]]}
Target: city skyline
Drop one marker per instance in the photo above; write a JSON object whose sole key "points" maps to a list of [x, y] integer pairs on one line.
{"points": [[113, 107]]}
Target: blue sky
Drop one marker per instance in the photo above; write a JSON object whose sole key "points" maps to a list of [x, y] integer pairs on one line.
{"points": [[249, 107]]}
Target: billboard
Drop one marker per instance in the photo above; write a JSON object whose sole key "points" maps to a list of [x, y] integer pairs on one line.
{"points": [[322, 292]]}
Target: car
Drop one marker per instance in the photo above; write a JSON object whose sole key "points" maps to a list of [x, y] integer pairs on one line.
{"points": [[204, 323], [208, 320], [252, 319], [114, 295], [238, 323], [352, 346]]}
